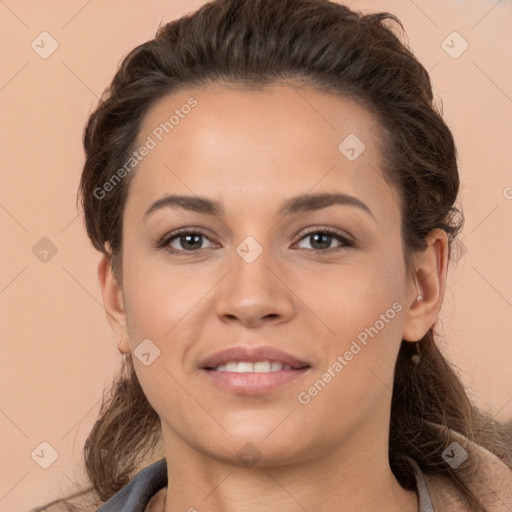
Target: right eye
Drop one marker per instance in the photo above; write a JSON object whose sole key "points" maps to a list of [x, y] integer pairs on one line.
{"points": [[183, 241]]}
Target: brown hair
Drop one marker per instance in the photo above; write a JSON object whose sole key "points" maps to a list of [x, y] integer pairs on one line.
{"points": [[337, 50]]}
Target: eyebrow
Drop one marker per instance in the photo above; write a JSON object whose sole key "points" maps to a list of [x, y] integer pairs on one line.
{"points": [[302, 203]]}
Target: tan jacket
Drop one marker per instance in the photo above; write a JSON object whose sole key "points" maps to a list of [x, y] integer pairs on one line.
{"points": [[491, 483]]}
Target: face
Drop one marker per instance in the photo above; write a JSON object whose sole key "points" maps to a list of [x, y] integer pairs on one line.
{"points": [[285, 249]]}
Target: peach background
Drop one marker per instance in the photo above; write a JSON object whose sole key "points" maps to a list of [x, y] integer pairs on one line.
{"points": [[58, 351]]}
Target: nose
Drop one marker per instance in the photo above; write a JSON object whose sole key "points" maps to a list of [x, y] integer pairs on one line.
{"points": [[254, 294]]}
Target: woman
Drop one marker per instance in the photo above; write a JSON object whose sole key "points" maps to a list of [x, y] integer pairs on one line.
{"points": [[272, 190]]}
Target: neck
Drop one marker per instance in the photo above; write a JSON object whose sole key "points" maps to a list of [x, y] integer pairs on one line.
{"points": [[339, 480]]}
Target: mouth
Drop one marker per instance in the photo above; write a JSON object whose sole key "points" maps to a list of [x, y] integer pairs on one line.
{"points": [[252, 371]]}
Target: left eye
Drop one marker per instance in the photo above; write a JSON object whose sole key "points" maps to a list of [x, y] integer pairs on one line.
{"points": [[321, 240]]}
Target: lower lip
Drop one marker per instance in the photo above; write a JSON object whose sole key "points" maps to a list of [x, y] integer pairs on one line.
{"points": [[252, 383]]}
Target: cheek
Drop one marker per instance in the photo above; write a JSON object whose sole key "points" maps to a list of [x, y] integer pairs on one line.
{"points": [[363, 306], [158, 297], [365, 315], [355, 294]]}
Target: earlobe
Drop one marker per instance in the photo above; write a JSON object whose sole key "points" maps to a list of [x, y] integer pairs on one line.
{"points": [[111, 292], [428, 285]]}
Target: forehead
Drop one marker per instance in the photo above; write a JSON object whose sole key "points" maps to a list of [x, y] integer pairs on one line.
{"points": [[240, 145]]}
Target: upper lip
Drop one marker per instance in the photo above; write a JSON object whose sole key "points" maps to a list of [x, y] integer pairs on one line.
{"points": [[251, 354]]}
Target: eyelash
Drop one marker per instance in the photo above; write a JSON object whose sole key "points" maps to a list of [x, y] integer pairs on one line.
{"points": [[167, 239]]}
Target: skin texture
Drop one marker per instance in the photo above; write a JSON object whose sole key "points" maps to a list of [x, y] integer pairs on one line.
{"points": [[250, 151]]}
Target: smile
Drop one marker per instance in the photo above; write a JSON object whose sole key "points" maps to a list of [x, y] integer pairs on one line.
{"points": [[244, 370]]}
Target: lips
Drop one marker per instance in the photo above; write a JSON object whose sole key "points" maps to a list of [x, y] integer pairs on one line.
{"points": [[241, 354], [253, 371]]}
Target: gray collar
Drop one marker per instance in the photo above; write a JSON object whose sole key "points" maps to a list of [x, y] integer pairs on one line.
{"points": [[425, 502]]}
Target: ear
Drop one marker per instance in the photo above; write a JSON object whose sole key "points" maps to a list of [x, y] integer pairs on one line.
{"points": [[427, 281], [111, 292]]}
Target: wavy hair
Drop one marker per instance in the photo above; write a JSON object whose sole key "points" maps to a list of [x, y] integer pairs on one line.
{"points": [[336, 50]]}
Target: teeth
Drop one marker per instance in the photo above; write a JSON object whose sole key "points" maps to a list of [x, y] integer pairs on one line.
{"points": [[257, 367], [244, 367]]}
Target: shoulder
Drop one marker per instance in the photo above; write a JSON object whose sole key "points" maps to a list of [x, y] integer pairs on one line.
{"points": [[85, 501], [490, 479], [142, 487]]}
